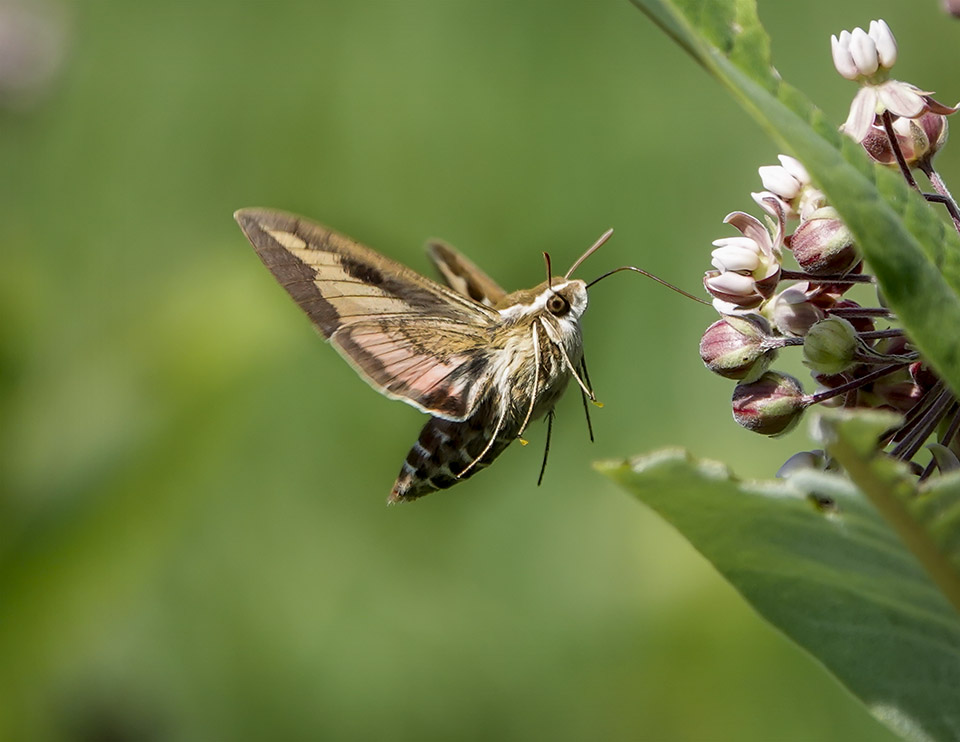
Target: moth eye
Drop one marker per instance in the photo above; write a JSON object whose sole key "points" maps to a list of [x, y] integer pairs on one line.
{"points": [[557, 305]]}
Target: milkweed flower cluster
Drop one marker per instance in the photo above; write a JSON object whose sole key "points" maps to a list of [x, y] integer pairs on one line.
{"points": [[765, 306]]}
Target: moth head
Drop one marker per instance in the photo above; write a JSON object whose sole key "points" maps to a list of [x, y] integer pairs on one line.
{"points": [[564, 298]]}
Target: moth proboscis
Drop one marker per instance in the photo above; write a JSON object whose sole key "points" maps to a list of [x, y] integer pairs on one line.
{"points": [[481, 362]]}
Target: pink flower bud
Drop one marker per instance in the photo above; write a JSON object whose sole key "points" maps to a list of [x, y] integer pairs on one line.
{"points": [[771, 405], [737, 347], [823, 245]]}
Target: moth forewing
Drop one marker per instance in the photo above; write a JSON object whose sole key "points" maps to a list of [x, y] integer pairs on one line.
{"points": [[481, 362]]}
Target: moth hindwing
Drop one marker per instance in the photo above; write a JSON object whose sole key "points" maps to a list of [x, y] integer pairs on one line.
{"points": [[482, 363]]}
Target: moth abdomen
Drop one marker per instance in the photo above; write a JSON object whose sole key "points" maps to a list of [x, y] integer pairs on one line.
{"points": [[444, 454]]}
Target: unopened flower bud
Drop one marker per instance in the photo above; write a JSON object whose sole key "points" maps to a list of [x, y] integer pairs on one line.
{"points": [[736, 347], [823, 245], [830, 347], [919, 139], [771, 405], [792, 312], [861, 54], [895, 393], [803, 460]]}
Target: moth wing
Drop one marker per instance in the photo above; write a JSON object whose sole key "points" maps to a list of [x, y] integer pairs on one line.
{"points": [[338, 282], [409, 337], [463, 276], [442, 368]]}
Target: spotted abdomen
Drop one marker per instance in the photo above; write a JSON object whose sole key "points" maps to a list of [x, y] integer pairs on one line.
{"points": [[444, 450]]}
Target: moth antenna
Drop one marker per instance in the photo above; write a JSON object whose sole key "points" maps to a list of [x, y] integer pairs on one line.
{"points": [[649, 275], [546, 447], [546, 257], [590, 251]]}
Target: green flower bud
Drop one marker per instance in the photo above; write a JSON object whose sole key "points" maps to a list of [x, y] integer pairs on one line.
{"points": [[830, 346]]}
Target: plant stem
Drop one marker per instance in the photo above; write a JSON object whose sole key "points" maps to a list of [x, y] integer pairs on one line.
{"points": [[812, 399], [860, 312], [913, 414], [877, 334], [937, 182], [908, 447], [848, 278], [895, 146]]}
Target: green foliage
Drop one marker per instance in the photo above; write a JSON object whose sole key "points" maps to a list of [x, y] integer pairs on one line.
{"points": [[864, 582], [817, 561], [923, 516]]}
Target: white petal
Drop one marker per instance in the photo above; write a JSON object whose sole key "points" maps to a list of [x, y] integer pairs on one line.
{"points": [[744, 243], [776, 179], [842, 59], [729, 308], [810, 201], [735, 259], [863, 108], [732, 283], [763, 198], [864, 52], [903, 126], [901, 98], [752, 228], [795, 168], [792, 295], [886, 44]]}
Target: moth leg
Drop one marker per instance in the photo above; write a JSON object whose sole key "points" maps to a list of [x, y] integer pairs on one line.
{"points": [[586, 374], [536, 379], [493, 439], [546, 447], [566, 359], [586, 405]]}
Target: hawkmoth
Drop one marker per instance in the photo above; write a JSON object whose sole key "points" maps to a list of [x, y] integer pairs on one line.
{"points": [[481, 362]]}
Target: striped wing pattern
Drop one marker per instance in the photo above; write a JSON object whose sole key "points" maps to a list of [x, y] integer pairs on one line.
{"points": [[409, 337], [463, 276]]}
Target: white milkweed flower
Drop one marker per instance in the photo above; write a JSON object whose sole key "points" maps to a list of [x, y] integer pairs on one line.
{"points": [[789, 183], [747, 267], [867, 58]]}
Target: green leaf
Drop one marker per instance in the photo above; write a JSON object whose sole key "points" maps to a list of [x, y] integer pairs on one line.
{"points": [[914, 257], [926, 520], [817, 561]]}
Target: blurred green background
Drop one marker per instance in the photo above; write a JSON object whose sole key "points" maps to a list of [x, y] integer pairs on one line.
{"points": [[194, 543]]}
